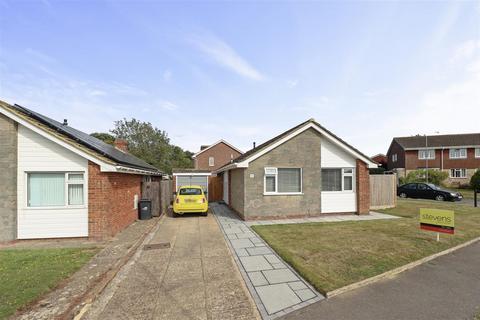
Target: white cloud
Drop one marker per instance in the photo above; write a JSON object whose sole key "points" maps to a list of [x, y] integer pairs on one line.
{"points": [[168, 105], [465, 50], [225, 55], [292, 83], [167, 75]]}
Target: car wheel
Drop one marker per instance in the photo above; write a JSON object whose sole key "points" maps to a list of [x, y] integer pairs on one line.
{"points": [[403, 195], [204, 214], [440, 198]]}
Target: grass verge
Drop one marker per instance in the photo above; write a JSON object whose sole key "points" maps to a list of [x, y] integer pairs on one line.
{"points": [[29, 273], [336, 254]]}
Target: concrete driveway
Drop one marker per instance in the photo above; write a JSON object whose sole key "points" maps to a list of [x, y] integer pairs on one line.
{"points": [[185, 272]]}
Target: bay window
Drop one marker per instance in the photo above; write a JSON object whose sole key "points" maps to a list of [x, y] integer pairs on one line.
{"points": [[338, 179], [55, 189], [283, 181]]}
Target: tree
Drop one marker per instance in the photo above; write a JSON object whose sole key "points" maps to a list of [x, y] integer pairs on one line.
{"points": [[475, 180], [152, 145], [434, 176], [105, 137]]}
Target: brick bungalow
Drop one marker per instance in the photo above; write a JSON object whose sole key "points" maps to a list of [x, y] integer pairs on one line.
{"points": [[58, 182], [305, 171]]}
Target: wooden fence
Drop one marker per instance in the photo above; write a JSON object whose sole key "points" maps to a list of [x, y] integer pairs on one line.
{"points": [[383, 191], [160, 193]]}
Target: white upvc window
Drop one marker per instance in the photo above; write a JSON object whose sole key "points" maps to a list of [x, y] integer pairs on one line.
{"points": [[477, 152], [394, 157], [338, 179], [426, 154], [458, 173], [282, 181], [460, 153], [55, 189], [211, 161]]}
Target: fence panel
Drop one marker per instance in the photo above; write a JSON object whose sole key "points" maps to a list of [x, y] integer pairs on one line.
{"points": [[151, 191], [166, 195], [383, 191]]}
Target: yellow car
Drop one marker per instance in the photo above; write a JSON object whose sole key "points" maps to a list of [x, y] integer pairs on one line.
{"points": [[190, 199]]}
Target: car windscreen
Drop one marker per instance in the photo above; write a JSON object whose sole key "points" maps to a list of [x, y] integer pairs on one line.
{"points": [[190, 192], [434, 187]]}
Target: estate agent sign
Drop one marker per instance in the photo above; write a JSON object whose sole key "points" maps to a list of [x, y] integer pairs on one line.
{"points": [[437, 220]]}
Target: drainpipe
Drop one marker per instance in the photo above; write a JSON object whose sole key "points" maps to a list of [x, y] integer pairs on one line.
{"points": [[442, 159]]}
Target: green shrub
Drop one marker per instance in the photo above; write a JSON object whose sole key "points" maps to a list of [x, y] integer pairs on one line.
{"points": [[434, 176], [475, 180], [378, 170]]}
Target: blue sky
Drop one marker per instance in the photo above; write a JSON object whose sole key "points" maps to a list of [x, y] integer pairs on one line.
{"points": [[247, 71]]}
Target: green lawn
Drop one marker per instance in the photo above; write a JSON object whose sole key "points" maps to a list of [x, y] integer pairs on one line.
{"points": [[333, 255], [28, 273]]}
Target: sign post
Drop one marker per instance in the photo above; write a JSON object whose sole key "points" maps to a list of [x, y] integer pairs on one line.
{"points": [[439, 221]]}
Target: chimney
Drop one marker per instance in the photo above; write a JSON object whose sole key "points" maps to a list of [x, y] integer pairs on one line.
{"points": [[254, 144], [121, 145], [65, 122]]}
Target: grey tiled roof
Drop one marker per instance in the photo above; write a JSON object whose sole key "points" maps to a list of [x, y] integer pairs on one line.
{"points": [[100, 147], [448, 140]]}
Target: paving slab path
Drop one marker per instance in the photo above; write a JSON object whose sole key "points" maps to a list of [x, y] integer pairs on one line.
{"points": [[444, 288], [185, 271], [276, 288]]}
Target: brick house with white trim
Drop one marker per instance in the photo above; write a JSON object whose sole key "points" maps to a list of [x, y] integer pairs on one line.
{"points": [[456, 154], [58, 182]]}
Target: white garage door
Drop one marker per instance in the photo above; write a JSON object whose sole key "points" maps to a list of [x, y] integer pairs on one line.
{"points": [[193, 181]]}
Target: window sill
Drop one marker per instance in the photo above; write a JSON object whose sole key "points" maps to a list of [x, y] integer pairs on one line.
{"points": [[340, 192], [283, 193], [458, 158], [458, 178], [55, 208]]}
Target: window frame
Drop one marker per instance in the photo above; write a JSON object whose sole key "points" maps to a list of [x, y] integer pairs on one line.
{"points": [[276, 192], [420, 153], [394, 157], [83, 182], [211, 161], [459, 153], [353, 174], [461, 170], [477, 152]]}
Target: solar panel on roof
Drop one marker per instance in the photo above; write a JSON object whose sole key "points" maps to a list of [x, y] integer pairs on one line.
{"points": [[87, 140]]}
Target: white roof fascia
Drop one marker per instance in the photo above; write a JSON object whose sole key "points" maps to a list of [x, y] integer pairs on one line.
{"points": [[192, 174], [213, 145], [446, 147]]}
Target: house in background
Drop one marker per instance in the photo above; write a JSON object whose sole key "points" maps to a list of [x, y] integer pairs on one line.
{"points": [[58, 182], [207, 160], [456, 154], [381, 159], [305, 171], [215, 156]]}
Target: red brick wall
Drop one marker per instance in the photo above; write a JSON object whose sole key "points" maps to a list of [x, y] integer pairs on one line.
{"points": [[413, 163], [363, 188], [111, 201], [222, 154]]}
